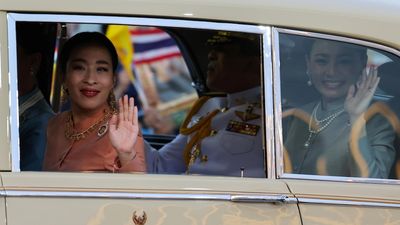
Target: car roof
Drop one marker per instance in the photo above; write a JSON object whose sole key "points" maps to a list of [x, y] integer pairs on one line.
{"points": [[364, 19]]}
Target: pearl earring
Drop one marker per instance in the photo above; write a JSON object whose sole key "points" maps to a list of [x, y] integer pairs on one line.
{"points": [[31, 72], [309, 82]]}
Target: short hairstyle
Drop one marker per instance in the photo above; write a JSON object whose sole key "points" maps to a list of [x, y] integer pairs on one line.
{"points": [[249, 44], [86, 39]]}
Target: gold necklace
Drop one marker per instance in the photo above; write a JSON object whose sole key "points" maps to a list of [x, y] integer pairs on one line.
{"points": [[71, 134]]}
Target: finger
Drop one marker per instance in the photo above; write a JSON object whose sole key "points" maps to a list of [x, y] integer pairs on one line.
{"points": [[364, 81], [131, 106], [121, 110], [375, 84], [373, 79], [360, 81], [350, 92], [113, 123], [126, 107], [135, 116]]}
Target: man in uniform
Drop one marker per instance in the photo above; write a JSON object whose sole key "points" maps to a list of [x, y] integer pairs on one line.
{"points": [[34, 111], [221, 135]]}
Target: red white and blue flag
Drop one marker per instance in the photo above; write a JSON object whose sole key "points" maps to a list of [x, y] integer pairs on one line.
{"points": [[151, 44]]}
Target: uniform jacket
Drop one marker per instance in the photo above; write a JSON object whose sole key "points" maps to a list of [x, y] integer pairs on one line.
{"points": [[226, 152], [34, 114]]}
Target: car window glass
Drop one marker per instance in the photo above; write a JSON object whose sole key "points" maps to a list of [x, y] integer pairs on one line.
{"points": [[202, 85], [345, 121]]}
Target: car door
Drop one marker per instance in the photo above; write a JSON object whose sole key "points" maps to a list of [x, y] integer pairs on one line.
{"points": [[40, 198], [323, 202], [2, 205], [353, 188], [110, 198]]}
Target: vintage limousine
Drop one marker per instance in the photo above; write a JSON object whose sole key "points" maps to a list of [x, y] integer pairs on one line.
{"points": [[341, 173]]}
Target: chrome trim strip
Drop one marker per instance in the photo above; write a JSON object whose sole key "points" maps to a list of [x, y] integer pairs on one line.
{"points": [[278, 107], [344, 202], [124, 195], [340, 38], [268, 103], [263, 199], [342, 179], [278, 104], [13, 94], [124, 20], [2, 193]]}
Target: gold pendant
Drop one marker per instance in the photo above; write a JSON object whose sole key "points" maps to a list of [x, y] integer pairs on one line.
{"points": [[102, 130]]}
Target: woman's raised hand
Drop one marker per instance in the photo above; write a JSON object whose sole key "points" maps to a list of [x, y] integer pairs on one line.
{"points": [[360, 95], [124, 129]]}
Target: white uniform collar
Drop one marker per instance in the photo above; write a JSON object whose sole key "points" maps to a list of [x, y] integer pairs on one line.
{"points": [[251, 95]]}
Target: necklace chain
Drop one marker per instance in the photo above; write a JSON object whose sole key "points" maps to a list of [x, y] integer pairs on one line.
{"points": [[325, 122], [71, 134]]}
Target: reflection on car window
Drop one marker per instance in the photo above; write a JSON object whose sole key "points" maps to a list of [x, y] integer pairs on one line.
{"points": [[346, 119], [219, 133]]}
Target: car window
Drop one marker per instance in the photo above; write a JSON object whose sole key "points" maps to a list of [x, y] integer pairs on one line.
{"points": [[345, 121], [205, 123]]}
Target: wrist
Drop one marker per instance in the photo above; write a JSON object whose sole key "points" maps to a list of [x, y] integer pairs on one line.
{"points": [[354, 117], [127, 157]]}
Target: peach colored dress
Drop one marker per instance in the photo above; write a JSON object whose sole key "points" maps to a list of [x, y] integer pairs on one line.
{"points": [[92, 153]]}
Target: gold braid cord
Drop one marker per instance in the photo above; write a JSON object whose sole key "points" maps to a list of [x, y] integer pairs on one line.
{"points": [[201, 129]]}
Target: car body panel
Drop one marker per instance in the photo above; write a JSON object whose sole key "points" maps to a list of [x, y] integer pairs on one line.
{"points": [[5, 162], [352, 17], [3, 217], [322, 202], [113, 198]]}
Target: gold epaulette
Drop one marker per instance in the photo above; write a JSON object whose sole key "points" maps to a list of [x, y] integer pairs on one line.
{"points": [[202, 127]]}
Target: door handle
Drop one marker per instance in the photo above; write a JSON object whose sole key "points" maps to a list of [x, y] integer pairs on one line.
{"points": [[263, 198]]}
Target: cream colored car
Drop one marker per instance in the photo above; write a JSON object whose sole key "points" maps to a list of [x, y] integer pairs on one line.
{"points": [[320, 182]]}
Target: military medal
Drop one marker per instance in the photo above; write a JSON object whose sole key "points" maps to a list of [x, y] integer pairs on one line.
{"points": [[248, 114], [242, 128]]}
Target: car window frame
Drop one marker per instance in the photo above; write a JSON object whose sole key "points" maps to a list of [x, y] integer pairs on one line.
{"points": [[278, 104], [264, 31]]}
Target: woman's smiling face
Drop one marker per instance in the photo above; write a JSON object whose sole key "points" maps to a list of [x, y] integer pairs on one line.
{"points": [[333, 67], [89, 77]]}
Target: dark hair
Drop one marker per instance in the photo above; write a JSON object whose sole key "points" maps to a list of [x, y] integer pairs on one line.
{"points": [[358, 49], [249, 44], [33, 37], [86, 38]]}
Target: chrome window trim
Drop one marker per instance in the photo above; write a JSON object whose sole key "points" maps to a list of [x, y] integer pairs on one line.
{"points": [[347, 202], [151, 196], [13, 95], [268, 119], [264, 31], [278, 106], [277, 101]]}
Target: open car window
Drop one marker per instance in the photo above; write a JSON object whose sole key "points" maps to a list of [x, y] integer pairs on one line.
{"points": [[166, 69], [345, 121]]}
